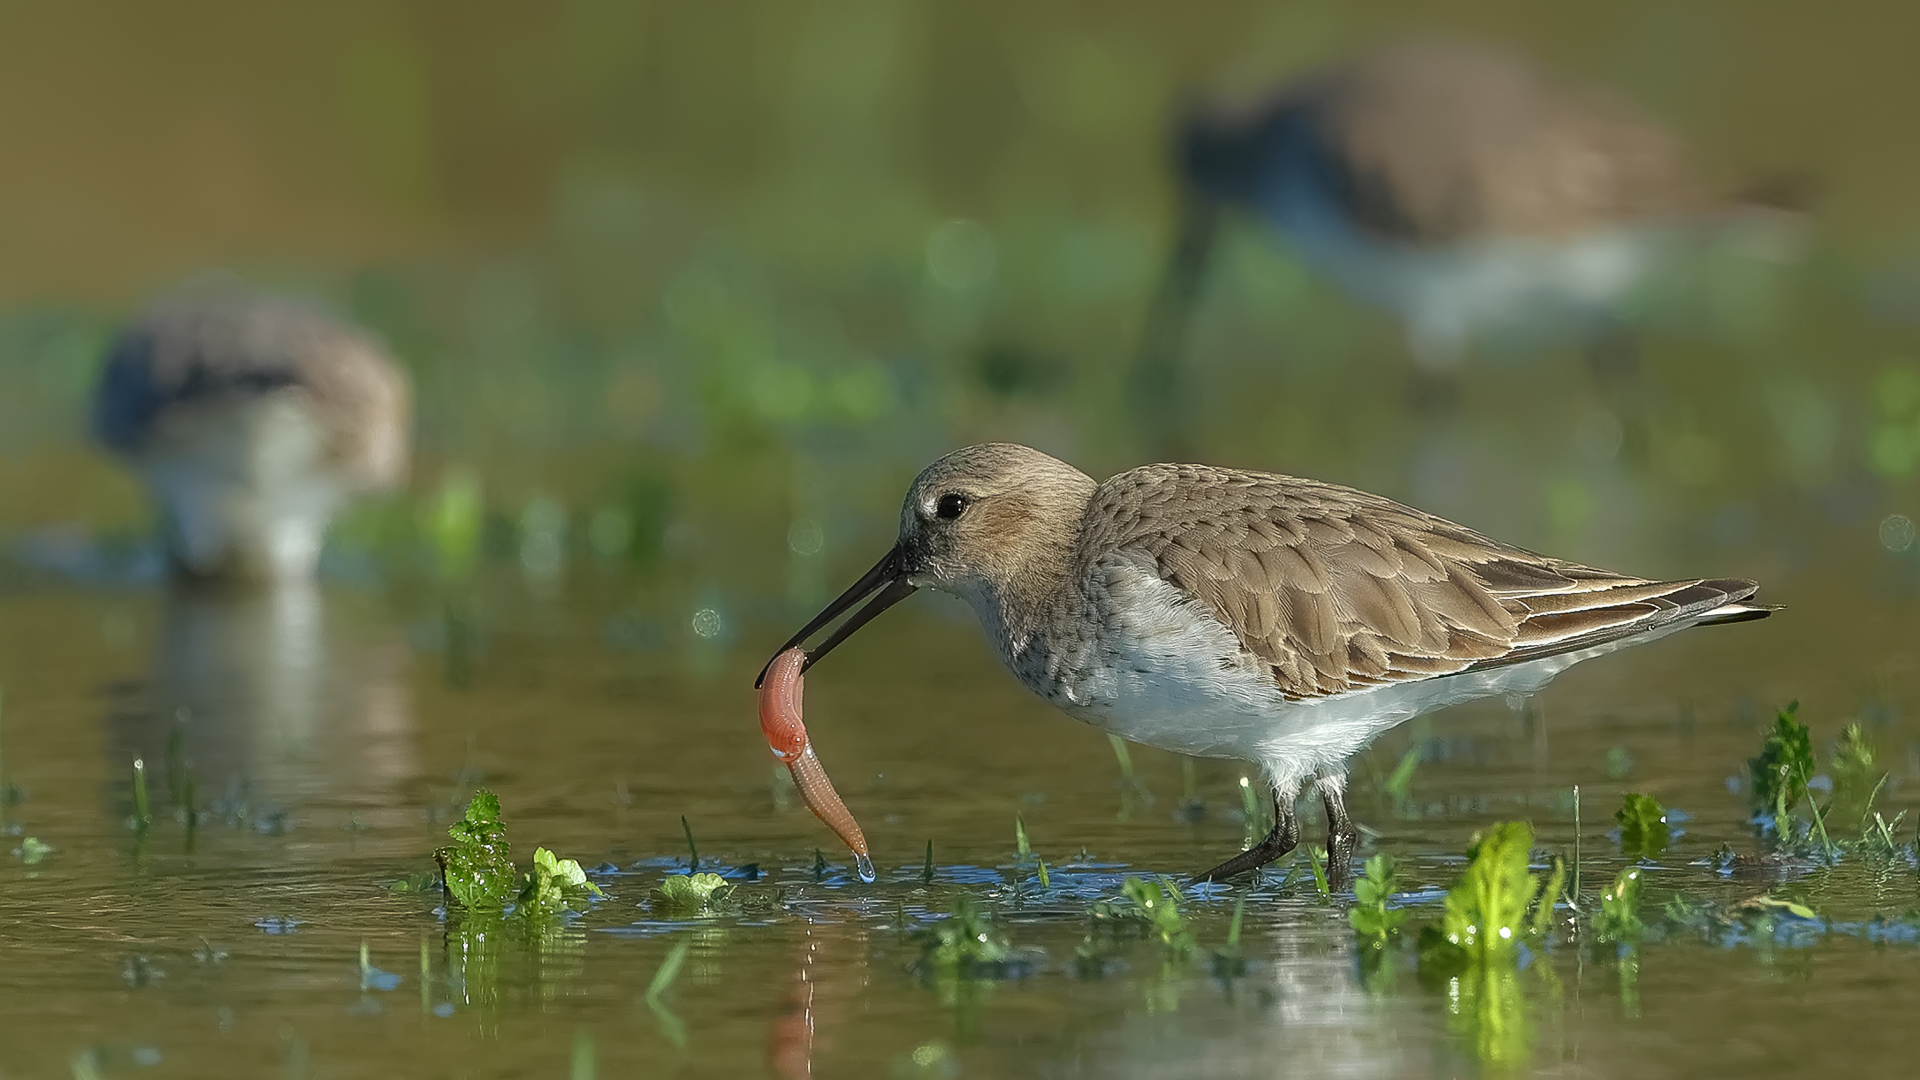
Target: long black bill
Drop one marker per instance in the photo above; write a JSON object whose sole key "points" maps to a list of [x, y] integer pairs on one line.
{"points": [[888, 577]]}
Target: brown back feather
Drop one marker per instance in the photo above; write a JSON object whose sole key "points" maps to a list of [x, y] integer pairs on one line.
{"points": [[1335, 589]]}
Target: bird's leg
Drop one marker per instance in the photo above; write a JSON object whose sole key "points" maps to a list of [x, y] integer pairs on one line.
{"points": [[1285, 834], [1342, 837]]}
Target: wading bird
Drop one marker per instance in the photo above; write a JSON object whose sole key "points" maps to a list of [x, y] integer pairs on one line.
{"points": [[1235, 614], [1456, 186], [251, 421]]}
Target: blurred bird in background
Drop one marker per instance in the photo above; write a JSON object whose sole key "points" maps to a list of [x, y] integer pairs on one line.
{"points": [[251, 421], [1458, 187]]}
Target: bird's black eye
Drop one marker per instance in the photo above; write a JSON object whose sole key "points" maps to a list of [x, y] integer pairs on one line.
{"points": [[952, 504]]}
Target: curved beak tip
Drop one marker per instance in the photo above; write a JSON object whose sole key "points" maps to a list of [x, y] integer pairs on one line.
{"points": [[886, 583]]}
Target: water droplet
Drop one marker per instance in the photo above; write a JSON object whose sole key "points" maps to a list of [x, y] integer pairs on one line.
{"points": [[707, 623], [864, 867], [1896, 532]]}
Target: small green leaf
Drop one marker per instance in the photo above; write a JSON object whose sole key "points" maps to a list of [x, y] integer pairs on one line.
{"points": [[32, 850], [483, 808], [963, 940], [1370, 916], [1158, 905], [1619, 916], [691, 894], [1643, 826], [1774, 903]]}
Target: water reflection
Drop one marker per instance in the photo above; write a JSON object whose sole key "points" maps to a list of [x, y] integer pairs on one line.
{"points": [[1301, 1013], [823, 992], [260, 700]]}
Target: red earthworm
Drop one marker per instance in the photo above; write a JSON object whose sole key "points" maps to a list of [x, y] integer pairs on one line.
{"points": [[787, 738]]}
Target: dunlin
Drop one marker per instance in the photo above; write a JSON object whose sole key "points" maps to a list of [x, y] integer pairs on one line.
{"points": [[1455, 185], [251, 421], [1235, 614]]}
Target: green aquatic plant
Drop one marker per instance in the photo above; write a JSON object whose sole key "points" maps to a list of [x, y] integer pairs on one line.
{"points": [[1400, 781], [1021, 848], [1857, 777], [1486, 913], [32, 850], [1159, 907], [1371, 916], [1228, 961], [1783, 767], [1643, 826], [670, 1023], [684, 895], [1320, 883], [142, 810], [555, 882], [477, 868], [926, 869], [581, 1066], [1542, 922], [693, 851], [964, 944], [1781, 775], [1618, 917], [450, 522]]}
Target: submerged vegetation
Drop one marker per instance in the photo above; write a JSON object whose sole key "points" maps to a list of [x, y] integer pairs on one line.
{"points": [[478, 873]]}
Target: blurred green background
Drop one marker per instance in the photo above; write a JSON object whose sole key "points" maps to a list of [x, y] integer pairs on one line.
{"points": [[679, 285]]}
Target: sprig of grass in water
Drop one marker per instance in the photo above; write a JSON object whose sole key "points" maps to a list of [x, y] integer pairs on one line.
{"points": [[1228, 961], [1370, 916], [1573, 893], [693, 853], [1020, 846], [1159, 908], [671, 1025], [926, 869], [1319, 873], [142, 812], [1781, 774], [582, 1065], [964, 942], [1400, 781]]}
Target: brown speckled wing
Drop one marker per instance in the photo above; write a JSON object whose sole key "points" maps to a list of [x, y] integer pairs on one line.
{"points": [[1337, 590], [1438, 141]]}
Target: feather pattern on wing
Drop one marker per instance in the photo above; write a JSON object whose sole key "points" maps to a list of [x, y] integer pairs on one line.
{"points": [[1335, 590]]}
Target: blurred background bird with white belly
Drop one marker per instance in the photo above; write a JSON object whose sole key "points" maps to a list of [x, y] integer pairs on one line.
{"points": [[251, 420], [1459, 187]]}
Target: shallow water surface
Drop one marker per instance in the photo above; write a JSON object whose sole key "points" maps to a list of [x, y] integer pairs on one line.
{"points": [[328, 744], [686, 307]]}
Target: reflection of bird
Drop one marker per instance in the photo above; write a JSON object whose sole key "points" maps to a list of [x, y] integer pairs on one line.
{"points": [[282, 695], [251, 421], [1453, 184], [1223, 613]]}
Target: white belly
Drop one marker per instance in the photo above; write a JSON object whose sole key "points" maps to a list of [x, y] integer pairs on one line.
{"points": [[1448, 294], [1175, 678]]}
